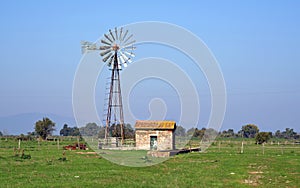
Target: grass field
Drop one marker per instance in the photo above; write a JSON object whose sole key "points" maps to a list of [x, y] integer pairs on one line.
{"points": [[221, 165]]}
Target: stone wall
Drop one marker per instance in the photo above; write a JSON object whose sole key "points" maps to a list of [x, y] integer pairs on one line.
{"points": [[165, 139]]}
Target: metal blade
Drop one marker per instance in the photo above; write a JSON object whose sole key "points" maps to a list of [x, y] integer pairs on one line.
{"points": [[121, 30], [122, 59], [119, 65], [128, 38], [116, 31], [105, 52], [124, 35], [106, 36], [129, 43], [123, 56], [129, 53], [129, 47], [108, 56], [125, 64], [104, 47], [104, 42], [110, 61], [112, 35], [129, 60]]}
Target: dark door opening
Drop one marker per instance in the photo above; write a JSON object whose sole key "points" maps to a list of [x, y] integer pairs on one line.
{"points": [[153, 142]]}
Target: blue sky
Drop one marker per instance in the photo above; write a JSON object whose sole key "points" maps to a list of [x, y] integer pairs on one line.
{"points": [[256, 44]]}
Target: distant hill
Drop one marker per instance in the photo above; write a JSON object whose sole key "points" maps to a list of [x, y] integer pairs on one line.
{"points": [[23, 123]]}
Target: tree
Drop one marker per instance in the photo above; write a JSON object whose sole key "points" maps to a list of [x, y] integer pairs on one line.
{"points": [[69, 131], [289, 133], [91, 129], [190, 132], [262, 137], [180, 131], [1, 133], [115, 130], [65, 130], [44, 127], [278, 134], [228, 134], [129, 132], [249, 131]]}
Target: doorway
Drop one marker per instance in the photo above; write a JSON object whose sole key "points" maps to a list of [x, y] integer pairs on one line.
{"points": [[153, 142]]}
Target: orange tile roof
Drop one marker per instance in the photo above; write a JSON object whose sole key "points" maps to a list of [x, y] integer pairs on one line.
{"points": [[162, 125]]}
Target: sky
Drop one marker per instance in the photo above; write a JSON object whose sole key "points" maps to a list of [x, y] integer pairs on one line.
{"points": [[256, 44]]}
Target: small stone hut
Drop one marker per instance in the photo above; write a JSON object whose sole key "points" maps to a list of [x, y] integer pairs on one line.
{"points": [[155, 135]]}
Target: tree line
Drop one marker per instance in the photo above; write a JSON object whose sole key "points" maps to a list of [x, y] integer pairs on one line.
{"points": [[45, 127]]}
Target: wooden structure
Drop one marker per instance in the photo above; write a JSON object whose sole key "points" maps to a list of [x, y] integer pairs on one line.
{"points": [[155, 135]]}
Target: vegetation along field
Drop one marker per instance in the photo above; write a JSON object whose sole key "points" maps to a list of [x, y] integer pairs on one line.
{"points": [[46, 164]]}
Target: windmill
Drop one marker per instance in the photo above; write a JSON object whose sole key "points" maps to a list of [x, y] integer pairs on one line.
{"points": [[117, 51]]}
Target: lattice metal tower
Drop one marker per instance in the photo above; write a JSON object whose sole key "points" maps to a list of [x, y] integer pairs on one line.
{"points": [[117, 51]]}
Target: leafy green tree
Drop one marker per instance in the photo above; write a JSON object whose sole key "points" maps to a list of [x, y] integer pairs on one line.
{"points": [[1, 133], [249, 131], [199, 133], [90, 129], [278, 134], [228, 134], [101, 133], [65, 130], [262, 137], [115, 130], [289, 133], [44, 127], [69, 131], [129, 132]]}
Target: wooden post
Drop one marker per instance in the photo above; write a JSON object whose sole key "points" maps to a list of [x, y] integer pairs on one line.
{"points": [[58, 143], [78, 143], [263, 147], [242, 148], [219, 145], [19, 144]]}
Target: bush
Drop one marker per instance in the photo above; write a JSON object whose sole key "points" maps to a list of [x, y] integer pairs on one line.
{"points": [[262, 137]]}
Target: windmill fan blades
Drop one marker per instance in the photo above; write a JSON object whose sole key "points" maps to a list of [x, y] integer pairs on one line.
{"points": [[128, 38], [110, 61], [116, 31], [129, 43], [121, 30], [129, 53], [130, 47], [104, 47], [106, 58], [124, 35], [105, 52], [104, 42], [122, 59], [106, 36], [112, 35]]}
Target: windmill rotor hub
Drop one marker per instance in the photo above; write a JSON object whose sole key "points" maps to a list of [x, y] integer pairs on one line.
{"points": [[115, 47]]}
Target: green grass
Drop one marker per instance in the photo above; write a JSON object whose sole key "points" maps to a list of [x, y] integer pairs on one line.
{"points": [[279, 166]]}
